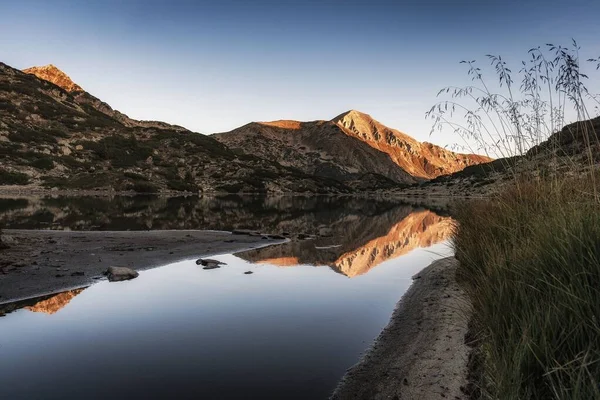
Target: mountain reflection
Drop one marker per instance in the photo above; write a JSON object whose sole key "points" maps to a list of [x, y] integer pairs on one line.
{"points": [[358, 244], [55, 303]]}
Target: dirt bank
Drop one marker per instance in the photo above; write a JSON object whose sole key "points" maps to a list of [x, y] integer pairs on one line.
{"points": [[421, 354], [43, 262]]}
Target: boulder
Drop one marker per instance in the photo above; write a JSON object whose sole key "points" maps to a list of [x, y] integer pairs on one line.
{"points": [[116, 274], [207, 263]]}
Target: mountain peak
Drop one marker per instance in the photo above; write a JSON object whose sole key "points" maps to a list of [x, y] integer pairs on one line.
{"points": [[54, 75], [354, 115]]}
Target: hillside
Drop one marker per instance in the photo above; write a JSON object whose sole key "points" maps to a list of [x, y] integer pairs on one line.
{"points": [[419, 159], [64, 138], [346, 148], [319, 148], [564, 153], [54, 75]]}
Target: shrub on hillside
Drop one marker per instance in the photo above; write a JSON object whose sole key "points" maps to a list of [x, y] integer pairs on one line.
{"points": [[44, 163], [144, 187], [13, 178]]}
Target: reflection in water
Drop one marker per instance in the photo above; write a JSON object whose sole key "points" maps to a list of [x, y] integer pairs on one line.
{"points": [[361, 243], [54, 303], [278, 333], [314, 214], [418, 229]]}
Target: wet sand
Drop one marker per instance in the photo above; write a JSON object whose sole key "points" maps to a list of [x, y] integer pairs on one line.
{"points": [[421, 354], [41, 262]]}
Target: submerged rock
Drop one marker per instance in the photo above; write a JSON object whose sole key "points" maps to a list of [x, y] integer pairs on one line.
{"points": [[208, 263], [116, 274]]}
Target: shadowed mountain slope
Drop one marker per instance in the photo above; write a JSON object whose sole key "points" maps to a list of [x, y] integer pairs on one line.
{"points": [[58, 136]]}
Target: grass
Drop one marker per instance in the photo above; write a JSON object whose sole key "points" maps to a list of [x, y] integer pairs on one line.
{"points": [[530, 255], [530, 259]]}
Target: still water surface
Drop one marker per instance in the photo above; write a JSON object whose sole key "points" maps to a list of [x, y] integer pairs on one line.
{"points": [[287, 331]]}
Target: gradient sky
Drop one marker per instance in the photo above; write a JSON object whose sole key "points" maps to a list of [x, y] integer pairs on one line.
{"points": [[214, 65]]}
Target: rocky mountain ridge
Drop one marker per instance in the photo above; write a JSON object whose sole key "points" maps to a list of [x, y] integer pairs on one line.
{"points": [[54, 139], [54, 75], [346, 148], [419, 159], [56, 135]]}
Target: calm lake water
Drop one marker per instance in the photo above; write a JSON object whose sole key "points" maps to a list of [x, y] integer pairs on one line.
{"points": [[287, 331]]}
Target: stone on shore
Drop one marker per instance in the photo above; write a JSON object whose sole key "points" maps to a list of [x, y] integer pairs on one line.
{"points": [[116, 274]]}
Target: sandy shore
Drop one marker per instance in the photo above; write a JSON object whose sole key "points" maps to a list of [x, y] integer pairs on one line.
{"points": [[421, 354], [40, 262]]}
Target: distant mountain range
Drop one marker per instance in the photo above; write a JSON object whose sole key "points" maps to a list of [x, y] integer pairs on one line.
{"points": [[54, 134]]}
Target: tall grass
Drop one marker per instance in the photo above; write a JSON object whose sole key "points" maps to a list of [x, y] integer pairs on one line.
{"points": [[530, 259], [530, 254]]}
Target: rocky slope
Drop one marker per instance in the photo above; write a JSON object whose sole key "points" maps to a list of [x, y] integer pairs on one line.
{"points": [[64, 138], [352, 147], [570, 152], [54, 75], [319, 148], [419, 159]]}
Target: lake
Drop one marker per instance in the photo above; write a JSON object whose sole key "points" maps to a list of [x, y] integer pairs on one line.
{"points": [[289, 330]]}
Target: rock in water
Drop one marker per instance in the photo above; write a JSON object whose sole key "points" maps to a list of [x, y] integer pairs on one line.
{"points": [[116, 274], [208, 263]]}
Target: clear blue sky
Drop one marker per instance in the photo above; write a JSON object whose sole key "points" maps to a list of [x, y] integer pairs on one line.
{"points": [[214, 65]]}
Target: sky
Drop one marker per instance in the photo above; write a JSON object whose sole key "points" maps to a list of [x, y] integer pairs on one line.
{"points": [[212, 66]]}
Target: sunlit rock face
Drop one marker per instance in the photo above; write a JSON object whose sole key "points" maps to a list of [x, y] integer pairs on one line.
{"points": [[55, 303], [419, 229], [52, 74], [419, 159]]}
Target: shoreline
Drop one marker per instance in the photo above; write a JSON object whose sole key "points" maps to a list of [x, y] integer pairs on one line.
{"points": [[44, 262], [16, 190], [421, 353]]}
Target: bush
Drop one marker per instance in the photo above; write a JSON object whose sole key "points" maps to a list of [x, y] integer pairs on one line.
{"points": [[24, 135], [144, 187], [121, 151], [182, 186], [13, 178], [44, 163], [134, 176]]}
